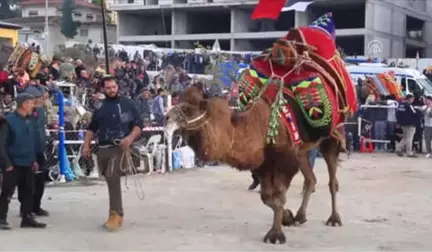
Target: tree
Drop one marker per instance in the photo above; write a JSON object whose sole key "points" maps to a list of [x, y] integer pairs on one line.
{"points": [[8, 9], [68, 25]]}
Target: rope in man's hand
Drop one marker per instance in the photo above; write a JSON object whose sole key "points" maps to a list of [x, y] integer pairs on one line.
{"points": [[130, 167]]}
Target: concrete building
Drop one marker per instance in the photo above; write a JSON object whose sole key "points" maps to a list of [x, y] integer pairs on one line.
{"points": [[389, 28], [9, 33], [33, 22]]}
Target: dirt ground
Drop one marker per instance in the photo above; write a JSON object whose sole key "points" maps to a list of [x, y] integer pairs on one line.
{"points": [[384, 203]]}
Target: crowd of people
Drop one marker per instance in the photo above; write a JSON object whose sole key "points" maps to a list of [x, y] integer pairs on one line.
{"points": [[194, 62], [403, 124]]}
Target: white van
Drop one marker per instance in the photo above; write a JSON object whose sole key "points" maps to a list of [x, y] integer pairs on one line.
{"points": [[412, 81]]}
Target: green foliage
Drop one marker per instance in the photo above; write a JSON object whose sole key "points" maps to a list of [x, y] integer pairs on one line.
{"points": [[68, 26], [8, 9]]}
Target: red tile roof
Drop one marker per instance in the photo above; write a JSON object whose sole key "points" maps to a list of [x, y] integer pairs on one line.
{"points": [[79, 3]]}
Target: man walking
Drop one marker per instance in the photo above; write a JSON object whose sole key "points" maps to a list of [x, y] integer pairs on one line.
{"points": [[19, 156], [118, 124], [406, 116]]}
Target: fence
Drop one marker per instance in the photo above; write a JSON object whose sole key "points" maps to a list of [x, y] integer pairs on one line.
{"points": [[154, 145], [65, 143]]}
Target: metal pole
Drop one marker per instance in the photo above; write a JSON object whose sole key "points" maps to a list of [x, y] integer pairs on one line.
{"points": [[107, 67], [46, 27], [61, 145]]}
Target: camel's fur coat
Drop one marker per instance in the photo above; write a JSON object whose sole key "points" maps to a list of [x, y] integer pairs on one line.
{"points": [[239, 139]]}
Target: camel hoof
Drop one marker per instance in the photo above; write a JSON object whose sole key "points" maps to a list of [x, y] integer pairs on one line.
{"points": [[288, 218], [334, 219], [273, 236], [300, 219]]}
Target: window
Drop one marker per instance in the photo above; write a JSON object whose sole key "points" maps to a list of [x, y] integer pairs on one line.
{"points": [[89, 16], [77, 14], [33, 13], [84, 33]]}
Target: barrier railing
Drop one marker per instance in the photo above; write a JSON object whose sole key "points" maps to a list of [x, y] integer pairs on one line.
{"points": [[73, 144], [73, 141]]}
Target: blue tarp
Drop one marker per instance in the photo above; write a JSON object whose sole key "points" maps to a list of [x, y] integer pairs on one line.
{"points": [[229, 71]]}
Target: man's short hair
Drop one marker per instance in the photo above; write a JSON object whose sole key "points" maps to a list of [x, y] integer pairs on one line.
{"points": [[107, 78]]}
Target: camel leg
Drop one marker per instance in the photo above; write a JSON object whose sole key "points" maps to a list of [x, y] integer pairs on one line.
{"points": [[273, 194], [308, 187], [330, 151]]}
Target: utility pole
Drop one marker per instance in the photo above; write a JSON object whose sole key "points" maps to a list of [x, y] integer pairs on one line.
{"points": [[107, 66]]}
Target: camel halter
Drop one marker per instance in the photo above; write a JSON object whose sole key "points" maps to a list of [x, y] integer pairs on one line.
{"points": [[193, 120]]}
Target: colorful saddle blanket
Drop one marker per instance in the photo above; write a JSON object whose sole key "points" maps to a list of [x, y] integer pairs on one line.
{"points": [[27, 59], [302, 73]]}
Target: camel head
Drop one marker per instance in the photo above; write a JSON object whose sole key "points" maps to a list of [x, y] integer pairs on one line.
{"points": [[205, 122], [190, 114]]}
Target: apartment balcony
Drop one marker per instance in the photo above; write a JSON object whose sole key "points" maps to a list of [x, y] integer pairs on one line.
{"points": [[119, 5]]}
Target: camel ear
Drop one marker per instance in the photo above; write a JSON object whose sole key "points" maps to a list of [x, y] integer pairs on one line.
{"points": [[203, 105]]}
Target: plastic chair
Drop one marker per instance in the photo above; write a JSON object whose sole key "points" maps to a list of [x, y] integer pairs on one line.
{"points": [[148, 151]]}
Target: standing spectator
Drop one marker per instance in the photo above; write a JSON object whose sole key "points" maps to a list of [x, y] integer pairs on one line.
{"points": [[391, 121], [378, 116], [79, 66], [406, 117], [144, 102], [427, 112], [55, 69], [43, 76], [39, 121], [158, 108], [176, 86], [19, 155]]}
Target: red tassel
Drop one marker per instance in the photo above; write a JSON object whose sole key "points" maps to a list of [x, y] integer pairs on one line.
{"points": [[268, 9]]}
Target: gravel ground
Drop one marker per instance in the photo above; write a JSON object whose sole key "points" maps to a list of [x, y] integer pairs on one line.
{"points": [[384, 203]]}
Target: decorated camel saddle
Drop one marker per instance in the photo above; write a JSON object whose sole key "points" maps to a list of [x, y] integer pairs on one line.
{"points": [[374, 86], [383, 84], [394, 88], [304, 80], [28, 59]]}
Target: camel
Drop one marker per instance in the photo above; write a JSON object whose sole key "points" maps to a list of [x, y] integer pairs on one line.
{"points": [[242, 141], [217, 134]]}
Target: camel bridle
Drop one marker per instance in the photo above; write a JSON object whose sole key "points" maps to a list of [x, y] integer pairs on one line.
{"points": [[192, 124]]}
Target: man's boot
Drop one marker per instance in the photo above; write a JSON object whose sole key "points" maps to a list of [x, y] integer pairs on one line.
{"points": [[114, 221], [30, 222]]}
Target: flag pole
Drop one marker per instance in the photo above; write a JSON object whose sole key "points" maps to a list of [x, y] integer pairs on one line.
{"points": [[46, 27], [107, 66]]}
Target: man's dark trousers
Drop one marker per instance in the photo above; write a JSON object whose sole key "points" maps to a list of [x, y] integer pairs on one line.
{"points": [[21, 176], [39, 179], [39, 182]]}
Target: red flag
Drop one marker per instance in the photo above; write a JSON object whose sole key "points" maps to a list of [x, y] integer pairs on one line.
{"points": [[268, 9]]}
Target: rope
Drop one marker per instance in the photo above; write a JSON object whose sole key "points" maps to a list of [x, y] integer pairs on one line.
{"points": [[130, 168]]}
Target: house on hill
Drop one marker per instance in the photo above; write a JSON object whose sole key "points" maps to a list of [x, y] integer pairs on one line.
{"points": [[33, 22]]}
